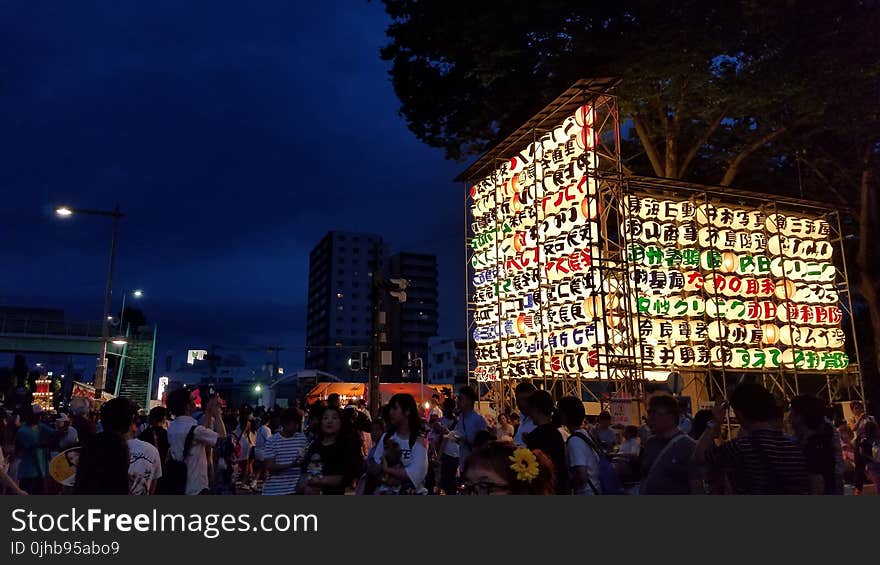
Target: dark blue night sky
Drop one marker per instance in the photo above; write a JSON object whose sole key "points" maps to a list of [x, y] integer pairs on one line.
{"points": [[233, 135]]}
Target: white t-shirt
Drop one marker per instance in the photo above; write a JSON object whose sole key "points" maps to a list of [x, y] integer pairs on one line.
{"points": [[197, 460], [284, 450], [414, 460], [144, 466], [580, 454], [525, 426]]}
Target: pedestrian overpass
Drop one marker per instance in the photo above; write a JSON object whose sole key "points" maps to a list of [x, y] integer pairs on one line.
{"points": [[134, 377]]}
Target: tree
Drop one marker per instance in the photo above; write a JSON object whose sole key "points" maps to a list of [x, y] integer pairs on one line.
{"points": [[778, 96]]}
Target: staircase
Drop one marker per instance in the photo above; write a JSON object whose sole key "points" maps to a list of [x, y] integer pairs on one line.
{"points": [[137, 370]]}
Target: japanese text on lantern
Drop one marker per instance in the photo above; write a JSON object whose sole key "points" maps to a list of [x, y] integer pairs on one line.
{"points": [[534, 240], [740, 288]]}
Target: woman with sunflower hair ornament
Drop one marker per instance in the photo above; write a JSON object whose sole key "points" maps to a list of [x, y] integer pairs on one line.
{"points": [[502, 468]]}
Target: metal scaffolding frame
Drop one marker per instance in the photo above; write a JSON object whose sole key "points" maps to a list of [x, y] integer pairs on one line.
{"points": [[620, 360]]}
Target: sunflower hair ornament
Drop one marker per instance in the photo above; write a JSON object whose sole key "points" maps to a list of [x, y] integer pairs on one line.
{"points": [[524, 463]]}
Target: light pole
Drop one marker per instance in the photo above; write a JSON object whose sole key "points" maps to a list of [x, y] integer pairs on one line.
{"points": [[66, 212], [138, 293], [421, 364]]}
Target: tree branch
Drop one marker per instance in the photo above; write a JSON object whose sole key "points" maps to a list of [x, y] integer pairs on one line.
{"points": [[737, 161], [695, 149], [648, 144], [824, 178]]}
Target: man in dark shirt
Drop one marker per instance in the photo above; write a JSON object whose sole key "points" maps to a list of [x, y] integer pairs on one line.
{"points": [[761, 459], [157, 433], [666, 457], [816, 438], [546, 437]]}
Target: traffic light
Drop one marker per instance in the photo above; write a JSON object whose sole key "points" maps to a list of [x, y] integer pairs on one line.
{"points": [[354, 362], [359, 360], [398, 290]]}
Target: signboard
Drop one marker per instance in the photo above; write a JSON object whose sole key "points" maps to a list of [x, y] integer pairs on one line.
{"points": [[620, 408], [731, 286], [194, 355]]}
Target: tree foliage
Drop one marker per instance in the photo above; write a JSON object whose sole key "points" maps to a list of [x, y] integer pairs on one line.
{"points": [[778, 96]]}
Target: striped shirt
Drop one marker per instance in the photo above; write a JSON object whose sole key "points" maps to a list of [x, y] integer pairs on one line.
{"points": [[284, 450], [762, 462]]}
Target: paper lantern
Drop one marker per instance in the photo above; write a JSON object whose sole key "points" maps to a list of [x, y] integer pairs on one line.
{"points": [[584, 116], [770, 334], [785, 290], [586, 140], [590, 208]]}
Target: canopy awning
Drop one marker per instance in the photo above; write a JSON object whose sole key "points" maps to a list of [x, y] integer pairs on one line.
{"points": [[356, 391]]}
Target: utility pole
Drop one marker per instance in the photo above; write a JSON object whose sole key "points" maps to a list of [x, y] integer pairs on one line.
{"points": [[380, 288]]}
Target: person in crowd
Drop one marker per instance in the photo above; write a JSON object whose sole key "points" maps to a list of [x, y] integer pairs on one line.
{"points": [[104, 460], [6, 481], [762, 460], [504, 429], [81, 421], [334, 401], [332, 460], [144, 465], [685, 422], [284, 454], [582, 461], [860, 421], [665, 462], [264, 432], [188, 440], [631, 446], [157, 432], [448, 448], [245, 437], [847, 452], [546, 437], [404, 437], [32, 441], [603, 434], [513, 418], [469, 423], [523, 392], [434, 409], [869, 449], [502, 468], [816, 438], [699, 423], [67, 436]]}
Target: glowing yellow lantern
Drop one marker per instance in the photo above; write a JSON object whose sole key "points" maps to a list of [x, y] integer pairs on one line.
{"points": [[729, 261], [770, 333]]}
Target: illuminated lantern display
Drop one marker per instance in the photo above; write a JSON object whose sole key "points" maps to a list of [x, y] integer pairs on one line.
{"points": [[566, 276], [43, 394]]}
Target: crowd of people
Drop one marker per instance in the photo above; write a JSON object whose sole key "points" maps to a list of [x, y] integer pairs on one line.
{"points": [[753, 445]]}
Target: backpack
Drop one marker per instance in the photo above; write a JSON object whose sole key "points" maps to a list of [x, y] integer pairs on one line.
{"points": [[609, 481], [175, 474]]}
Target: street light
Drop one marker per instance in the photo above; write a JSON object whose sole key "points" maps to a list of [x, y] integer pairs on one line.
{"points": [[119, 341], [135, 293], [66, 212]]}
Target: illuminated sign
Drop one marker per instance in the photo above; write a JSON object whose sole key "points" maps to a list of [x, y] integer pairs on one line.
{"points": [[194, 355], [163, 386], [733, 287], [705, 285]]}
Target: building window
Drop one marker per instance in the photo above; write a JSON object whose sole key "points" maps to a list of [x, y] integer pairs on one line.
{"points": [[340, 308], [339, 295]]}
